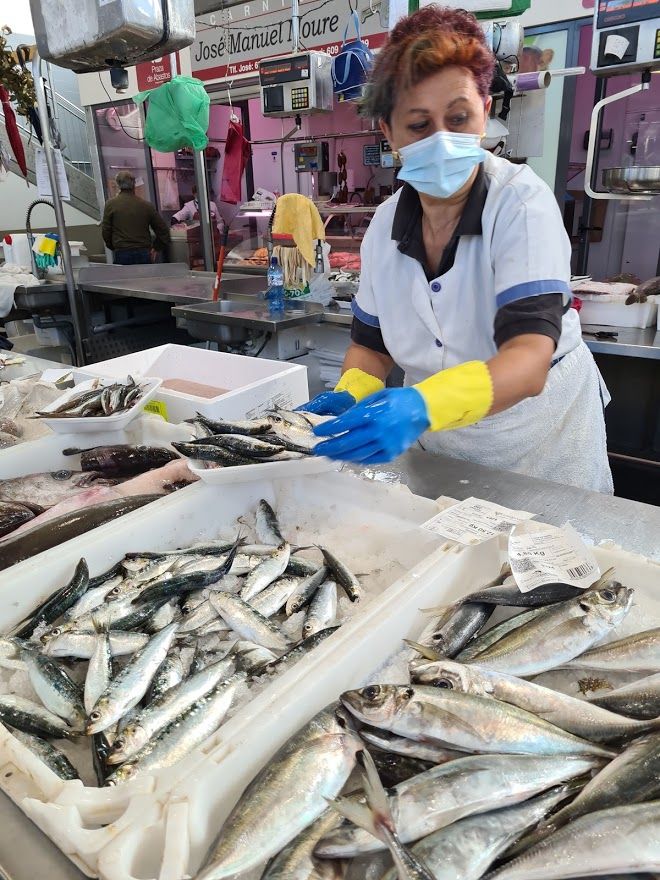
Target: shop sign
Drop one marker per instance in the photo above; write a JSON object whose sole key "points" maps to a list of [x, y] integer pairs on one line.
{"points": [[232, 42], [151, 74]]}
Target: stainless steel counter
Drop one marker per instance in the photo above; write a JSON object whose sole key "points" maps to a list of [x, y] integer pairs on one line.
{"points": [[25, 853], [248, 312], [630, 341]]}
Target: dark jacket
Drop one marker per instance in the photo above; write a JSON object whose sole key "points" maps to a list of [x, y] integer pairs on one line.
{"points": [[127, 221]]}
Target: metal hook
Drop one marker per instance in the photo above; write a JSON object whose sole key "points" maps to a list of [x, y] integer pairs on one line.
{"points": [[350, 6], [370, 12]]}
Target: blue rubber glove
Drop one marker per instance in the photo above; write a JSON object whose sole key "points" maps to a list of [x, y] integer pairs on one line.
{"points": [[377, 429], [329, 403]]}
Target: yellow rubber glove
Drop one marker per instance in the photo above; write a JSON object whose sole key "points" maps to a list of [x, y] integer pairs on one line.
{"points": [[458, 396], [359, 384]]}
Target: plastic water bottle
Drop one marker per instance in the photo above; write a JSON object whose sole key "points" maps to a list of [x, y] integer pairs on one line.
{"points": [[275, 293]]}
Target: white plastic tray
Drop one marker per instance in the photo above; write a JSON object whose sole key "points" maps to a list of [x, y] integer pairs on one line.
{"points": [[374, 526], [613, 312], [269, 470], [95, 424], [252, 385]]}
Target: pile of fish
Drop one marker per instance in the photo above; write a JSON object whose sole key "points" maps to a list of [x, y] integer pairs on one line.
{"points": [[98, 401], [490, 774], [147, 659], [39, 511], [280, 435]]}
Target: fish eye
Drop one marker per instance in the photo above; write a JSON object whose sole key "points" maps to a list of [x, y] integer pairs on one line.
{"points": [[118, 745], [95, 716], [444, 683], [371, 692], [55, 632], [409, 693], [61, 475], [608, 595]]}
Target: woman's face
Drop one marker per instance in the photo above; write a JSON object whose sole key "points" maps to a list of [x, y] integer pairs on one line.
{"points": [[446, 101]]}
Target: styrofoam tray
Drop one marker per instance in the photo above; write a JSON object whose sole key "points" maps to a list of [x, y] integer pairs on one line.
{"points": [[174, 845], [45, 453], [374, 526], [253, 385], [94, 424], [268, 470], [615, 313]]}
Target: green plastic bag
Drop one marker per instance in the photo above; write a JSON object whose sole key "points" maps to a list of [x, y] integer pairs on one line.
{"points": [[517, 8], [177, 115]]}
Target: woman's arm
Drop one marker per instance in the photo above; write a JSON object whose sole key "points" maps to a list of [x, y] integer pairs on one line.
{"points": [[520, 369], [372, 362]]}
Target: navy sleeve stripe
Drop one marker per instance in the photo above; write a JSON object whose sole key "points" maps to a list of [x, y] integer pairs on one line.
{"points": [[365, 317], [532, 288]]}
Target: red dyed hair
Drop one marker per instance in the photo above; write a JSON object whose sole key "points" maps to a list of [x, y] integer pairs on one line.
{"points": [[419, 46]]}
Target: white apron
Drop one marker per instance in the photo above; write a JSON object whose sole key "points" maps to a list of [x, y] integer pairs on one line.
{"points": [[559, 435]]}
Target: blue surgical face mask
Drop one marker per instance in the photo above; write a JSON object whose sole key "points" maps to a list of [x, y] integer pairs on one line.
{"points": [[440, 165]]}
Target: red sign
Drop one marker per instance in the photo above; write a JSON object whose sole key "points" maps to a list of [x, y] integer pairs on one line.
{"points": [[151, 74]]}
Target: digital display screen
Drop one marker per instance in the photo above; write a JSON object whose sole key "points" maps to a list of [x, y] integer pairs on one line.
{"points": [[281, 70], [613, 12]]}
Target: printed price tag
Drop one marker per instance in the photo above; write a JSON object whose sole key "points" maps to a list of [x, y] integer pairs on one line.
{"points": [[474, 521], [158, 407], [540, 554]]}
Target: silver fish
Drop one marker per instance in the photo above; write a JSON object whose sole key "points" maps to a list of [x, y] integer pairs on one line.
{"points": [[92, 599], [129, 686], [444, 794], [619, 840], [454, 631], [183, 735], [467, 848], [266, 572], [250, 656], [492, 635], [296, 861], [162, 617], [275, 596], [303, 593], [322, 610], [573, 715], [164, 710], [315, 763], [248, 623], [170, 673], [53, 758], [639, 699], [10, 653], [200, 616], [401, 745], [30, 717], [267, 526], [99, 671], [54, 688], [342, 574], [462, 721], [636, 653], [559, 633], [81, 644]]}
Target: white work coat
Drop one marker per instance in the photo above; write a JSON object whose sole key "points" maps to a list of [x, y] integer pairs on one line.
{"points": [[429, 325], [190, 211]]}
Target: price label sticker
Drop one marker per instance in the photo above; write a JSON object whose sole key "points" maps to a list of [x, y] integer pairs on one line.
{"points": [[158, 407], [474, 521], [542, 554]]}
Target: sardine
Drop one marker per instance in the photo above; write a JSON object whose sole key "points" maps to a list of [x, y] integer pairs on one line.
{"points": [[275, 596], [250, 656], [495, 633], [53, 758], [57, 603], [209, 452], [171, 673], [573, 715], [315, 763], [247, 427], [81, 645], [639, 652], [293, 655], [305, 591], [559, 634], [623, 839], [54, 688], [322, 610], [454, 633], [247, 622], [444, 794], [462, 721], [92, 599], [266, 572], [296, 861], [99, 671], [267, 526], [401, 745], [32, 718], [166, 709], [183, 735], [129, 686], [342, 574]]}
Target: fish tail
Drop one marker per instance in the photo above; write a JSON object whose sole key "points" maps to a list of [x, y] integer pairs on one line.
{"points": [[375, 816], [425, 650]]}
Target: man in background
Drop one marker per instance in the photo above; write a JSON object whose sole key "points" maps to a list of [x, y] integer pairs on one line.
{"points": [[128, 224]]}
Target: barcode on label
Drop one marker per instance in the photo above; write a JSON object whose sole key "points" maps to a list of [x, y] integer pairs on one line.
{"points": [[522, 565], [579, 571]]}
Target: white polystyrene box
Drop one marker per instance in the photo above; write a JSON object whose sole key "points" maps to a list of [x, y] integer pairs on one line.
{"points": [[611, 311], [253, 384], [374, 526]]}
